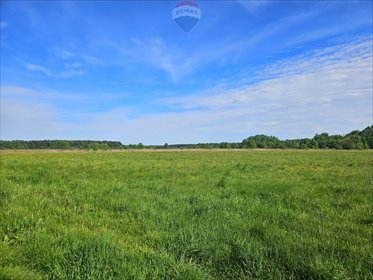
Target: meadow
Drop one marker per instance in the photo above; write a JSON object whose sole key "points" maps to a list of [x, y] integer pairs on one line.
{"points": [[281, 214]]}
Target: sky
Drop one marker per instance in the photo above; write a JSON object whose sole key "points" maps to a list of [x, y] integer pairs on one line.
{"points": [[125, 71]]}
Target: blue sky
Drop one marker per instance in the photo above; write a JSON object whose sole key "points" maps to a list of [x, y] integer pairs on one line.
{"points": [[123, 70]]}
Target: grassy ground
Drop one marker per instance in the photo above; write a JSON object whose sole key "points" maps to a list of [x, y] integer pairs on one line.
{"points": [[187, 215]]}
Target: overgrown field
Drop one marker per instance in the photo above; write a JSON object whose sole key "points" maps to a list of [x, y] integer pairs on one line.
{"points": [[186, 215]]}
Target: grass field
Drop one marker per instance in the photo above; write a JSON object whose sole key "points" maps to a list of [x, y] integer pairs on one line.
{"points": [[186, 215]]}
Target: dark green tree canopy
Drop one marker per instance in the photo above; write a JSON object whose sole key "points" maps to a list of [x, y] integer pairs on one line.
{"points": [[353, 140]]}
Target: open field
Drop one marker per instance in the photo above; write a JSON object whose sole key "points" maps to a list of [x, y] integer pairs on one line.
{"points": [[186, 215]]}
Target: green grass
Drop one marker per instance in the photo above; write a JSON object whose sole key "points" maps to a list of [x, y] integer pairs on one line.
{"points": [[186, 215]]}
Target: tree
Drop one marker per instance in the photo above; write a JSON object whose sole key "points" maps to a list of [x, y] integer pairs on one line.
{"points": [[104, 147], [261, 141], [367, 136], [353, 142]]}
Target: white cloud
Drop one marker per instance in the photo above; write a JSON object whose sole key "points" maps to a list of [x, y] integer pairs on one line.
{"points": [[343, 70], [70, 73], [47, 96], [27, 120], [156, 52], [72, 70], [327, 90], [64, 54], [39, 68], [73, 65], [178, 63]]}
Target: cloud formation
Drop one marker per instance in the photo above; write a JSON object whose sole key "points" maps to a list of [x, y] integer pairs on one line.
{"points": [[70, 71], [328, 89]]}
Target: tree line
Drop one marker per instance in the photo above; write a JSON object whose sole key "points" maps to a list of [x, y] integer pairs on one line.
{"points": [[61, 144], [353, 140]]}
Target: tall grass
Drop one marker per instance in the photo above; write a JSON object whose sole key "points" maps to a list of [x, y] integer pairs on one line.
{"points": [[186, 215]]}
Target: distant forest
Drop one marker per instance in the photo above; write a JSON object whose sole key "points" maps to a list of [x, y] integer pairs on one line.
{"points": [[353, 140]]}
